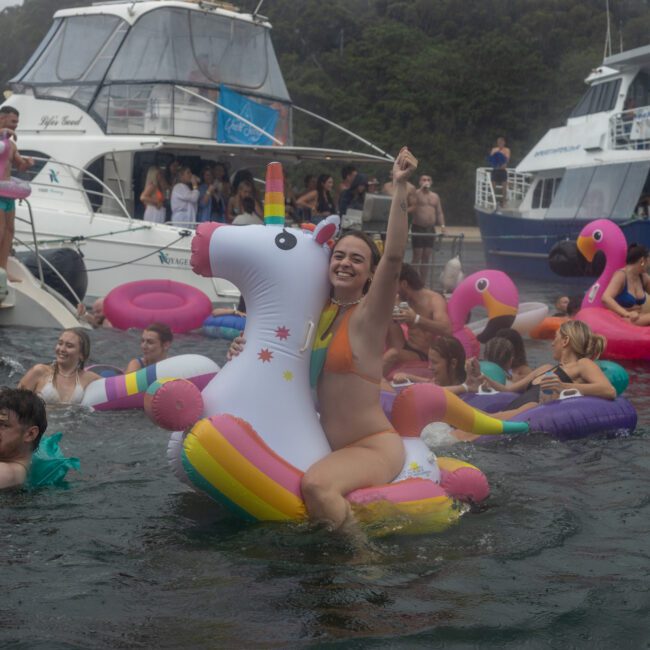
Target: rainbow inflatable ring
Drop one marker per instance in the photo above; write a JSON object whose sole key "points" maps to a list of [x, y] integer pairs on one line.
{"points": [[260, 429]]}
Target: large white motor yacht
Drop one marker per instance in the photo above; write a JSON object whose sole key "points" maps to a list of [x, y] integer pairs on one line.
{"points": [[115, 88]]}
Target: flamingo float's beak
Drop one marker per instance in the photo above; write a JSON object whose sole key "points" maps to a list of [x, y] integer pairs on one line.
{"points": [[500, 315], [587, 246]]}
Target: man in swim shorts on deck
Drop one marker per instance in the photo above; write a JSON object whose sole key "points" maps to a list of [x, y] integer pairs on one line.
{"points": [[426, 209], [22, 424], [8, 126], [426, 318]]}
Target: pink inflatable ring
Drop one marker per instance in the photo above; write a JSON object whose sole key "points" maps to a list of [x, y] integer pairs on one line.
{"points": [[138, 304], [11, 188]]}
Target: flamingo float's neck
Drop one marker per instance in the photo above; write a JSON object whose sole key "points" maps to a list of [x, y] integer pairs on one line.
{"points": [[613, 262]]}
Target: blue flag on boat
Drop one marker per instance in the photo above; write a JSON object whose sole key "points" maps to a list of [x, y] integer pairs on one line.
{"points": [[234, 131]]}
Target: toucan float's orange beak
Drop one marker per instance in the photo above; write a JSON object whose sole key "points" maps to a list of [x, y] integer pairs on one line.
{"points": [[587, 246], [500, 315]]}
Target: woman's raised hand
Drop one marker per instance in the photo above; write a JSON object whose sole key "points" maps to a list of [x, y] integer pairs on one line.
{"points": [[405, 164]]}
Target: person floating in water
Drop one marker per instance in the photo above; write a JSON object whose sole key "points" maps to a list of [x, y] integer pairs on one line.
{"points": [[23, 422]]}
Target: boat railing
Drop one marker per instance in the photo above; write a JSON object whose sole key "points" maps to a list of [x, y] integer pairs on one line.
{"points": [[630, 129], [73, 189], [488, 196], [40, 260]]}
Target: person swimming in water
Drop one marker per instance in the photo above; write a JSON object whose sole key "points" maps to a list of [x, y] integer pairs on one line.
{"points": [[23, 422], [155, 343], [65, 379]]}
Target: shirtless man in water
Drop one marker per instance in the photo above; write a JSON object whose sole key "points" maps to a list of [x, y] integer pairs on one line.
{"points": [[22, 424], [426, 318], [426, 210], [8, 125]]}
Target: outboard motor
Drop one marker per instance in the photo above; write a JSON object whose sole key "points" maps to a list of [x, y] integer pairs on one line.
{"points": [[566, 260], [68, 262]]}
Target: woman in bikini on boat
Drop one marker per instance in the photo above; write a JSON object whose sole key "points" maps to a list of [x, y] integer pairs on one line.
{"points": [[64, 381], [626, 293], [366, 449]]}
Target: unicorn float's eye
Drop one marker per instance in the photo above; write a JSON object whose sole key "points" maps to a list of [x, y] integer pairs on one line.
{"points": [[285, 241], [482, 284], [598, 235]]}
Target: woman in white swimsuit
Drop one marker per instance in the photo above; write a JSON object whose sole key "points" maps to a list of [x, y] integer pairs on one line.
{"points": [[64, 380]]}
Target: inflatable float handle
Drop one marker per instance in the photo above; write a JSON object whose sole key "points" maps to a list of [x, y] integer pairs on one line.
{"points": [[309, 335], [568, 393], [486, 390]]}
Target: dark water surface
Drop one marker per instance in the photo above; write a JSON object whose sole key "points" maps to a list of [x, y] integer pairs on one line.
{"points": [[127, 557]]}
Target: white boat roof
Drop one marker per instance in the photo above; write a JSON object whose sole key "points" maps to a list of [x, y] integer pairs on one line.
{"points": [[131, 11], [635, 58]]}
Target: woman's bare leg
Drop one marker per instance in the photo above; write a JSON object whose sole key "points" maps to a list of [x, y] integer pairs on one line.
{"points": [[372, 461]]}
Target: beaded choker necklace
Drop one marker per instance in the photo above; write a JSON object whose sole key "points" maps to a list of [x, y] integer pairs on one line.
{"points": [[346, 304]]}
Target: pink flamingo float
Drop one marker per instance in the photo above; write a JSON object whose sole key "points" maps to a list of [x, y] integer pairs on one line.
{"points": [[624, 339], [261, 430]]}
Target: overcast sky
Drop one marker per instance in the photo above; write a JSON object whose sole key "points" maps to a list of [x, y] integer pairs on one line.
{"points": [[9, 3]]}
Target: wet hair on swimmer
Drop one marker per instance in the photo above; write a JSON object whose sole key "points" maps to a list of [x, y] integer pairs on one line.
{"points": [[450, 348], [163, 330], [28, 407], [635, 252], [582, 340], [517, 343], [501, 351]]}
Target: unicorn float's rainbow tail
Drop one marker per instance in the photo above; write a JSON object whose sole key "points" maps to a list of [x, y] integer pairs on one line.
{"points": [[421, 404]]}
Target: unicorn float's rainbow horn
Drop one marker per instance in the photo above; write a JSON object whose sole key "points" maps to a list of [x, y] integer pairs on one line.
{"points": [[274, 195], [420, 404]]}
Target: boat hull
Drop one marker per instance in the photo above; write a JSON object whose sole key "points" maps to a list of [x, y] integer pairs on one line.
{"points": [[520, 247], [117, 250]]}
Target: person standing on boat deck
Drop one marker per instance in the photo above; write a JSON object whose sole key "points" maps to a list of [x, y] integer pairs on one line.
{"points": [[185, 200], [248, 216], [153, 196], [9, 117], [209, 198], [499, 174], [320, 200], [426, 208], [347, 176], [235, 204], [425, 317], [155, 343], [23, 422], [64, 381], [355, 197]]}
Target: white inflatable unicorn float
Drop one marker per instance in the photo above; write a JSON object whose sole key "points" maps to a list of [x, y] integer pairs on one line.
{"points": [[261, 429]]}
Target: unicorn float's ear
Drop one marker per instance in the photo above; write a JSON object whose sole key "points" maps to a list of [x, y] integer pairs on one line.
{"points": [[327, 229], [274, 195]]}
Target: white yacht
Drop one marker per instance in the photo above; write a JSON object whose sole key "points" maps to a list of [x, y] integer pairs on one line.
{"points": [[114, 88], [596, 166]]}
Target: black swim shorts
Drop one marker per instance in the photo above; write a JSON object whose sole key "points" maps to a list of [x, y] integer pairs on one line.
{"points": [[422, 242]]}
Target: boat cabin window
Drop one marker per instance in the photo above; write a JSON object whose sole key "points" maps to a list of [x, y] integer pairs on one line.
{"points": [[74, 57], [544, 192], [638, 93], [600, 97], [603, 192]]}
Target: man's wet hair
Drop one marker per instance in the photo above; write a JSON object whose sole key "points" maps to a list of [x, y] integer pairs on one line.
{"points": [[28, 407]]}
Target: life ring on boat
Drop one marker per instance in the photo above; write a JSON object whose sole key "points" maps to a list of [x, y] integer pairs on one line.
{"points": [[140, 303], [547, 328], [493, 290], [13, 188], [227, 326], [624, 339], [248, 453], [119, 392]]}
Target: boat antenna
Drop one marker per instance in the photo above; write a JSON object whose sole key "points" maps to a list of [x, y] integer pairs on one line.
{"points": [[608, 35], [259, 6]]}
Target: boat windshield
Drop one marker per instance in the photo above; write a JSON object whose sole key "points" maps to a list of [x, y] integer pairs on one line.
{"points": [[603, 192]]}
